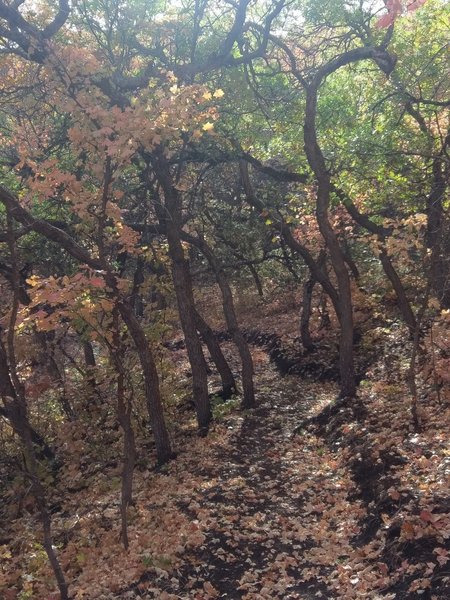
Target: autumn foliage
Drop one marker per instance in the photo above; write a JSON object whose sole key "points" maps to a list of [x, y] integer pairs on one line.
{"points": [[225, 275]]}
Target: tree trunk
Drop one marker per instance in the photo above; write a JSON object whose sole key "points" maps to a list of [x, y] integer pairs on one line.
{"points": [[186, 308], [325, 320], [151, 382], [89, 361], [171, 218], [386, 263], [402, 300], [238, 338], [437, 226], [248, 400], [89, 356], [124, 418], [305, 333], [305, 317], [344, 304], [223, 368], [257, 280]]}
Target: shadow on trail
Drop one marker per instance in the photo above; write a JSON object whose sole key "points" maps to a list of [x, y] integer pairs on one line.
{"points": [[251, 547]]}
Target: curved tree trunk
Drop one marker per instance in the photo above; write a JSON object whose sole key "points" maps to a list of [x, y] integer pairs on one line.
{"points": [[402, 299], [237, 336], [223, 368], [344, 304]]}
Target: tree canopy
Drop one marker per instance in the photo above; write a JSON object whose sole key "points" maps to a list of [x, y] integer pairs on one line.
{"points": [[170, 174]]}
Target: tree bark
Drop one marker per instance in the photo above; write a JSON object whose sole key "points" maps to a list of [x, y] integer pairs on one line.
{"points": [[257, 280], [437, 225], [223, 368], [238, 338], [151, 383], [305, 316], [124, 417], [402, 299], [186, 308], [344, 304], [172, 220]]}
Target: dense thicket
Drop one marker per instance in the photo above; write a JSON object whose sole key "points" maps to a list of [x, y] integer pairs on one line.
{"points": [[153, 150]]}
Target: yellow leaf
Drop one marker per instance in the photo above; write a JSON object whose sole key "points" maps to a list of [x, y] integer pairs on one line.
{"points": [[33, 280]]}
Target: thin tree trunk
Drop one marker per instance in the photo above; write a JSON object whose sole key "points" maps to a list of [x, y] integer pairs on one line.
{"points": [[402, 299], [436, 227], [91, 365], [151, 383], [411, 372], [124, 418], [325, 320], [12, 394], [186, 308], [223, 368], [89, 356], [257, 280], [305, 317], [238, 338], [349, 259]]}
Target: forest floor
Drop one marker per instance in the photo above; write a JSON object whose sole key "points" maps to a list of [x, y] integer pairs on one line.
{"points": [[302, 497]]}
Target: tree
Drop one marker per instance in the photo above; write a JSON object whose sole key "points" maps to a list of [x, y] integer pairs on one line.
{"points": [[128, 158]]}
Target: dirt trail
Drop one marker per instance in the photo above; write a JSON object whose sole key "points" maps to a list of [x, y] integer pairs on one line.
{"points": [[256, 494]]}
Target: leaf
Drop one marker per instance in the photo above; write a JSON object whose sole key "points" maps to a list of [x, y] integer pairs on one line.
{"points": [[97, 282], [426, 516], [394, 494], [210, 589]]}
